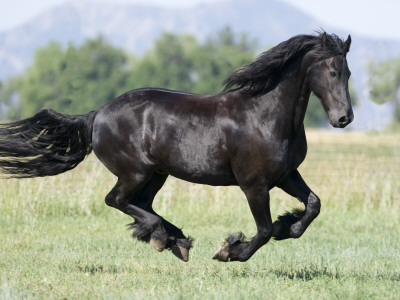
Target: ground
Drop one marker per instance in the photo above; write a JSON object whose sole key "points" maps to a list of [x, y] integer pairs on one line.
{"points": [[59, 240]]}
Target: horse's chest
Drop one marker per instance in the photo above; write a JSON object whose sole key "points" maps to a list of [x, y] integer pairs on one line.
{"points": [[297, 153], [288, 156]]}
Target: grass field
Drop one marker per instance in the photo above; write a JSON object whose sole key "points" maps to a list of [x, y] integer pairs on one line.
{"points": [[58, 240]]}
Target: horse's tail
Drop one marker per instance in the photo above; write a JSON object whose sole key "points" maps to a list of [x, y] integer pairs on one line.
{"points": [[49, 143]]}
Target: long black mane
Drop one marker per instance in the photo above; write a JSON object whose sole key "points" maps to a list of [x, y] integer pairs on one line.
{"points": [[262, 75]]}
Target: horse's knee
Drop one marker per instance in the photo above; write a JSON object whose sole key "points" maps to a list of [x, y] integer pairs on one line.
{"points": [[313, 204], [112, 201]]}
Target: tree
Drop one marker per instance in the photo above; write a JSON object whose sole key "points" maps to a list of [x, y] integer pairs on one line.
{"points": [[73, 81], [168, 65], [179, 62], [9, 100], [315, 114], [385, 83], [219, 57], [79, 79]]}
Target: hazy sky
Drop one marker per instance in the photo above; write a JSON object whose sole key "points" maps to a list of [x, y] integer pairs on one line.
{"points": [[374, 18]]}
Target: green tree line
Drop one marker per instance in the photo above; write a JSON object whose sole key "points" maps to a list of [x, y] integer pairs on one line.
{"points": [[384, 81], [82, 78]]}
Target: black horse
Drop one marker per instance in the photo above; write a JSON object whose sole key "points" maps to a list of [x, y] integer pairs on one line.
{"points": [[251, 135]]}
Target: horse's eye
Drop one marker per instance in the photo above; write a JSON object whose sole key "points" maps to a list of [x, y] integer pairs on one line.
{"points": [[333, 74]]}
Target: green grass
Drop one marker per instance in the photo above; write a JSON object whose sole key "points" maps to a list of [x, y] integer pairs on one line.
{"points": [[58, 240]]}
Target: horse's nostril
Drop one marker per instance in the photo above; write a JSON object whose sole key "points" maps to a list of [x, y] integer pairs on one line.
{"points": [[343, 120]]}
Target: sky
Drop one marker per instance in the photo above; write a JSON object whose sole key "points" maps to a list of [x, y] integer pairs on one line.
{"points": [[370, 18]]}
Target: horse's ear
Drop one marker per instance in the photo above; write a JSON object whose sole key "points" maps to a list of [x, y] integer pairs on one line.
{"points": [[323, 40], [347, 44]]}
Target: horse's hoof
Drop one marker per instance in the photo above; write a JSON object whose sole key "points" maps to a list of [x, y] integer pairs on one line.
{"points": [[180, 252], [222, 253], [157, 244]]}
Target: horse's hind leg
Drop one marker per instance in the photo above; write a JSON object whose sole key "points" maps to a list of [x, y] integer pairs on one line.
{"points": [[148, 227], [143, 198], [293, 225]]}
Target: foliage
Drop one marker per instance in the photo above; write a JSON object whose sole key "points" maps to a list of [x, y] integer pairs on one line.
{"points": [[181, 63], [72, 81], [80, 79], [59, 240], [385, 83], [220, 56], [8, 98], [168, 65], [315, 114]]}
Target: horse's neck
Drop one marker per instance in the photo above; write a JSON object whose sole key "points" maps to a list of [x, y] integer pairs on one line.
{"points": [[292, 93], [295, 91], [301, 104]]}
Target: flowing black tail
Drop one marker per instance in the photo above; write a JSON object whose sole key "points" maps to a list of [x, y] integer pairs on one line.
{"points": [[49, 143]]}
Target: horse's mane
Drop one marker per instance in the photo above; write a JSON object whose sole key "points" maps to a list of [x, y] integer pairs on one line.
{"points": [[263, 75]]}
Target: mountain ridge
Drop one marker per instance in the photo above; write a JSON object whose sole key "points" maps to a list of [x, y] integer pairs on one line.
{"points": [[134, 27]]}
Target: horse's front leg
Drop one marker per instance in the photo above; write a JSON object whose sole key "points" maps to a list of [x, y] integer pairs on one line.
{"points": [[235, 248], [293, 225]]}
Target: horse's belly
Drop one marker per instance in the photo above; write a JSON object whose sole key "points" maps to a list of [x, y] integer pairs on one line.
{"points": [[209, 179], [197, 165], [204, 171]]}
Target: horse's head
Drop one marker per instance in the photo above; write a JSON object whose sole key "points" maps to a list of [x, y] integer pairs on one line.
{"points": [[328, 80]]}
